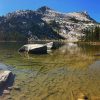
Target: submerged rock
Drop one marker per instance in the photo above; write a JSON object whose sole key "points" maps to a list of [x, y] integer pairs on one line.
{"points": [[97, 54], [16, 88], [10, 88], [82, 97], [6, 92]]}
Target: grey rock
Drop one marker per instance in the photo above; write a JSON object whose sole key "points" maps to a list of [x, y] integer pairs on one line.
{"points": [[4, 76], [6, 92], [17, 88], [10, 88]]}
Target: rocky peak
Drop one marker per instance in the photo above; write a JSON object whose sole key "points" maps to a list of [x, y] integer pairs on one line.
{"points": [[44, 9], [84, 13]]}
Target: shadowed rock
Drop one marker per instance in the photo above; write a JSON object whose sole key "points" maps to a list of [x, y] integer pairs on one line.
{"points": [[97, 54], [6, 81]]}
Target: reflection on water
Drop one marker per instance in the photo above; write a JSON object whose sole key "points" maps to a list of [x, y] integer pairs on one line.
{"points": [[69, 48], [68, 71]]}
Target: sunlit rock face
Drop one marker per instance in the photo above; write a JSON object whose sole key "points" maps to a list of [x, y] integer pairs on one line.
{"points": [[46, 23]]}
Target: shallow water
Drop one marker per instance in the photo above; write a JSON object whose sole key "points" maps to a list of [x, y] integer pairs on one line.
{"points": [[67, 72]]}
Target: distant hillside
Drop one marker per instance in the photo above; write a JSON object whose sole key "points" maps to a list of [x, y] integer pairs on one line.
{"points": [[44, 23]]}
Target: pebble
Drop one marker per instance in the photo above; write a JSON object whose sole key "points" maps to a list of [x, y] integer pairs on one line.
{"points": [[9, 88], [82, 97], [9, 98], [6, 92], [17, 88]]}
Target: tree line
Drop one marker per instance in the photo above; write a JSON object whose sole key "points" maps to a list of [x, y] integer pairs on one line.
{"points": [[92, 34]]}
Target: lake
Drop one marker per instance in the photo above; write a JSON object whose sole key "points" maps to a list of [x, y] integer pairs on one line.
{"points": [[69, 71]]}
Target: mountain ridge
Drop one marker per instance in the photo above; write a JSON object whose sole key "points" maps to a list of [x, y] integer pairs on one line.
{"points": [[45, 23]]}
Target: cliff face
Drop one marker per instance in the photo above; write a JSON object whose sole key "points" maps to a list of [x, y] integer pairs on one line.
{"points": [[44, 23]]}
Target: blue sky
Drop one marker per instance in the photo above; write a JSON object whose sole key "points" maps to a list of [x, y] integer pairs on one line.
{"points": [[91, 6]]}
